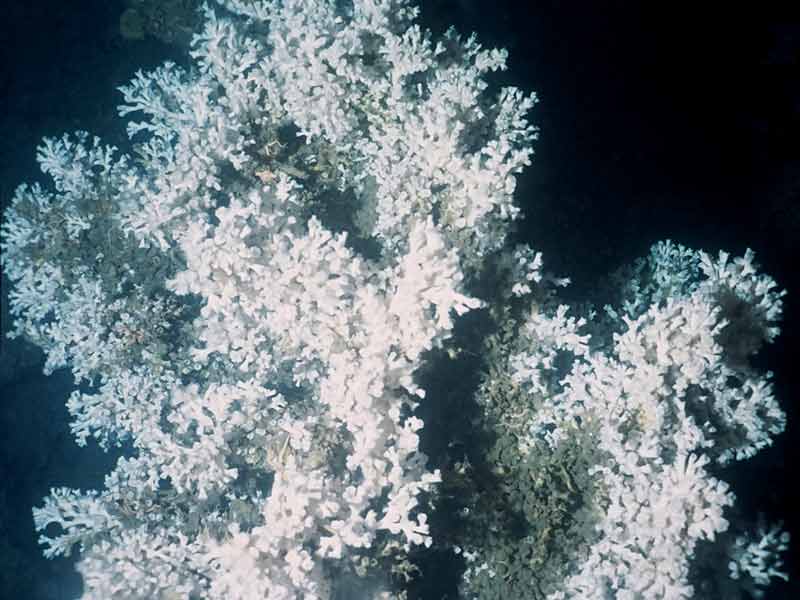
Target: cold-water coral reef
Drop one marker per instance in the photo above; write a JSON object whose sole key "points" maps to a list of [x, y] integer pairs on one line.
{"points": [[250, 297]]}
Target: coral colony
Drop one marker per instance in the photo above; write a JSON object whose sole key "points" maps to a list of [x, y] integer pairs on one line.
{"points": [[248, 299]]}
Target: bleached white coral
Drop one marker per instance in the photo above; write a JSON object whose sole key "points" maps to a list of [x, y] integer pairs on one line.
{"points": [[662, 403], [757, 558], [218, 215]]}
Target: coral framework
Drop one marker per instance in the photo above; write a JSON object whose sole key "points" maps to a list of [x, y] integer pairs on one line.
{"points": [[254, 298]]}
